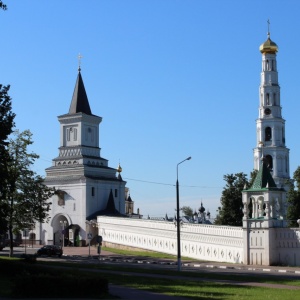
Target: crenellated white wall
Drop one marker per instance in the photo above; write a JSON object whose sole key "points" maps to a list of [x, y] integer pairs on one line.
{"points": [[203, 242], [260, 242], [287, 246]]}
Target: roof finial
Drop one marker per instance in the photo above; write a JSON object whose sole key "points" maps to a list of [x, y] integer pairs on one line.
{"points": [[268, 28], [119, 168], [79, 61]]}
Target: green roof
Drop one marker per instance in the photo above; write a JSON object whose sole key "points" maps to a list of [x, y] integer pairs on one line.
{"points": [[263, 179]]}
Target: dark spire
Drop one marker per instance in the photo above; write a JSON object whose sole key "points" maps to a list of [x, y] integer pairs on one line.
{"points": [[110, 207], [80, 102]]}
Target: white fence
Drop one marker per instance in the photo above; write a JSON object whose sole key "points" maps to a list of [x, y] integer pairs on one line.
{"points": [[203, 242]]}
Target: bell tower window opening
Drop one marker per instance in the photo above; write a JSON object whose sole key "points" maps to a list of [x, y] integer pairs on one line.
{"points": [[68, 135], [268, 134], [93, 191], [71, 134], [269, 161], [250, 209], [89, 134], [75, 134], [264, 209], [268, 98], [116, 193]]}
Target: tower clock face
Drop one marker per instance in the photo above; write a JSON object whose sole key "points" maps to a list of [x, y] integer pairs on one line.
{"points": [[267, 111]]}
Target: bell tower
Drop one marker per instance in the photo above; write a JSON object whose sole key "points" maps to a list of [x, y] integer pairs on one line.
{"points": [[270, 126]]}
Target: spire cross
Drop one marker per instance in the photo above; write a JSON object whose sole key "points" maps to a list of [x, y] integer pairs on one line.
{"points": [[79, 61], [268, 28]]}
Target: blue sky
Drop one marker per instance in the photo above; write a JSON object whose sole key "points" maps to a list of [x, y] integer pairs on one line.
{"points": [[171, 79]]}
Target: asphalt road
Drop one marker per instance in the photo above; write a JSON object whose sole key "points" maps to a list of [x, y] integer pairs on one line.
{"points": [[90, 256]]}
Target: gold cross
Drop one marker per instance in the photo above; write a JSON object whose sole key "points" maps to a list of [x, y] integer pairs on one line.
{"points": [[268, 28]]}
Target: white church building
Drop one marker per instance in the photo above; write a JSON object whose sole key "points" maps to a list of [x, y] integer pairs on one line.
{"points": [[85, 185]]}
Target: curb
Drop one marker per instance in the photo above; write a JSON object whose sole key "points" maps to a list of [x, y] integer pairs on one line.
{"points": [[243, 268]]}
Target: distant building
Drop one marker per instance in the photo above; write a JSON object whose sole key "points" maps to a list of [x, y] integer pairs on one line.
{"points": [[129, 208]]}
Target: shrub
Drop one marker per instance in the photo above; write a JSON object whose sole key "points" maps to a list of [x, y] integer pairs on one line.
{"points": [[31, 258]]}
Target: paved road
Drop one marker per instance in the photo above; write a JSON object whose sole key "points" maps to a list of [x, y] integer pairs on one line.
{"points": [[90, 256]]}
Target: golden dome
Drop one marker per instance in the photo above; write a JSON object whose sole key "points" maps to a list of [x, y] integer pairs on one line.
{"points": [[268, 46], [119, 169]]}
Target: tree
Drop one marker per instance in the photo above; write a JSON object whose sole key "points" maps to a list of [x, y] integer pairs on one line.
{"points": [[27, 197], [293, 199], [3, 6], [187, 211], [6, 125], [231, 211]]}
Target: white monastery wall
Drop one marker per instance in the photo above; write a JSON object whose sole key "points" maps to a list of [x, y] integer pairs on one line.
{"points": [[258, 244], [287, 244], [199, 241]]}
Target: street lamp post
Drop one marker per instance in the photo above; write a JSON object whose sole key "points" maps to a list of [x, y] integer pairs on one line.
{"points": [[178, 221], [25, 235], [63, 224]]}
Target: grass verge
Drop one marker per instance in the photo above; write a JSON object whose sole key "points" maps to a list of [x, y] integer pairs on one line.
{"points": [[145, 254]]}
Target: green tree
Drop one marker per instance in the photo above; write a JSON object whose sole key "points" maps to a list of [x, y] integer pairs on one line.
{"points": [[2, 5], [6, 125], [187, 211], [231, 211], [293, 200], [27, 197]]}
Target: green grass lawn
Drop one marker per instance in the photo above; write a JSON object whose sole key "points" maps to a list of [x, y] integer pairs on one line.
{"points": [[143, 253], [204, 290]]}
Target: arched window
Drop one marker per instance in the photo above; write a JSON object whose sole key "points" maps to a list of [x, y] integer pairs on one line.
{"points": [[268, 99], [250, 209], [269, 161], [268, 134], [60, 197]]}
